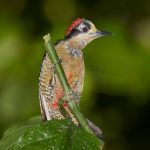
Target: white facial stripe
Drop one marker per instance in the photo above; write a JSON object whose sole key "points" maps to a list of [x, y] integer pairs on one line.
{"points": [[81, 26]]}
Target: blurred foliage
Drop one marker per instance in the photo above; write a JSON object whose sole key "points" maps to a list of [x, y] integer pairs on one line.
{"points": [[117, 84]]}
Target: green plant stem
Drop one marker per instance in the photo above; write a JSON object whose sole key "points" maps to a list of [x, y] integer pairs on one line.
{"points": [[63, 80]]}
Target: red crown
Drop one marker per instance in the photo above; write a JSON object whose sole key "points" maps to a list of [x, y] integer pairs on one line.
{"points": [[73, 25]]}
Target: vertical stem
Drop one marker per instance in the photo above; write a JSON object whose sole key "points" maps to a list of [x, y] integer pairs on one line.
{"points": [[55, 60], [63, 80]]}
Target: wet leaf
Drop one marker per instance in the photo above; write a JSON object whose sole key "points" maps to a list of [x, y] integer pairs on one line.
{"points": [[53, 135]]}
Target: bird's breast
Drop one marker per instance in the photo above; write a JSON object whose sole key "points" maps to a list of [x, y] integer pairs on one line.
{"points": [[72, 63]]}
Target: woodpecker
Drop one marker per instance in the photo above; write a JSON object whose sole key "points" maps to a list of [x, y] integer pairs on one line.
{"points": [[78, 35]]}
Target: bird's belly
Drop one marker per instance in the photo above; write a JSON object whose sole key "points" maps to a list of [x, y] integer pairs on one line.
{"points": [[51, 90], [74, 76]]}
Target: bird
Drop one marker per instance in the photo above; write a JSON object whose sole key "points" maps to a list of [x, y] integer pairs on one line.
{"points": [[70, 51]]}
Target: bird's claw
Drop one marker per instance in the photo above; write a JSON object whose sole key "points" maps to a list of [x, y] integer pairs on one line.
{"points": [[72, 96], [59, 61]]}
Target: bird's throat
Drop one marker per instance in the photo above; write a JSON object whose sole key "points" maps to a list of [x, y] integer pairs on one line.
{"points": [[76, 53]]}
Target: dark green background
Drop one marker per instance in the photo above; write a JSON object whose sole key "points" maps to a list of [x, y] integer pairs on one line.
{"points": [[117, 84]]}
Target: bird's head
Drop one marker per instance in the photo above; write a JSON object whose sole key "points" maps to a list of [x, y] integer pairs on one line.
{"points": [[81, 32]]}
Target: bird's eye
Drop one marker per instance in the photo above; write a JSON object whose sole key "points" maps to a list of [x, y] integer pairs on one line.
{"points": [[85, 29]]}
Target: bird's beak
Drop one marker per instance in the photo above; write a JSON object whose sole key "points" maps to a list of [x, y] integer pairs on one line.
{"points": [[100, 33]]}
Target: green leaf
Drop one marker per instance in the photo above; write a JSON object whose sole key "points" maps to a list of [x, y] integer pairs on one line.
{"points": [[53, 135]]}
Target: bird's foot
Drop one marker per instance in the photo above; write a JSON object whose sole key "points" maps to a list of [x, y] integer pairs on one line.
{"points": [[58, 62]]}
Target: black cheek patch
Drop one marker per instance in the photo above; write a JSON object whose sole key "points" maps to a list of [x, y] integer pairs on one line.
{"points": [[87, 25], [74, 32]]}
